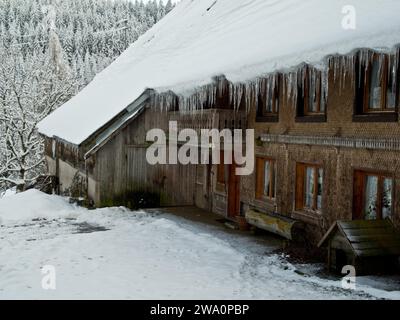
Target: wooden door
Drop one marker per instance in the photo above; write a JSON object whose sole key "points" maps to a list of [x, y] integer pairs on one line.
{"points": [[202, 191], [233, 192]]}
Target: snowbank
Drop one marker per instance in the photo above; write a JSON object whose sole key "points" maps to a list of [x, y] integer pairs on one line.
{"points": [[33, 204], [8, 192], [114, 253], [240, 39]]}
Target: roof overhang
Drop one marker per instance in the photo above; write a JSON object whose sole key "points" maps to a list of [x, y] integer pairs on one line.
{"points": [[110, 129]]}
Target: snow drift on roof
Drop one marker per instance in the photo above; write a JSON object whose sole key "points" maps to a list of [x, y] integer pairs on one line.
{"points": [[240, 39]]}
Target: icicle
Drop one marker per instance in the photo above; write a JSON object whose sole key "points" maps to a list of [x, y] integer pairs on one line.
{"points": [[284, 86], [336, 67], [341, 68], [250, 94], [396, 70], [313, 83], [292, 80], [353, 70]]}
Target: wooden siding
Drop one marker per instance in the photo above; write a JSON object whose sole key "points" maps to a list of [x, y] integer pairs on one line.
{"points": [[123, 173], [364, 238]]}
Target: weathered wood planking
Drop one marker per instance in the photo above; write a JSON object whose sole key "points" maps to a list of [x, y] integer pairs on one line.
{"points": [[368, 231], [363, 224], [364, 238], [377, 237]]}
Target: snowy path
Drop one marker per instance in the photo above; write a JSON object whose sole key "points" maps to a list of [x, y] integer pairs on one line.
{"points": [[118, 254]]}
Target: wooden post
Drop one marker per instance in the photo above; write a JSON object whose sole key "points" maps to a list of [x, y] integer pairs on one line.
{"points": [[329, 256]]}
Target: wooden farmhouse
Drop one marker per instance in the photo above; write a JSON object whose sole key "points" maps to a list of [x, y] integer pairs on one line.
{"points": [[323, 102]]}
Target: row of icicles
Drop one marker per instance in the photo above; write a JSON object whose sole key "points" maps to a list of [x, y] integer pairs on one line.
{"points": [[341, 67]]}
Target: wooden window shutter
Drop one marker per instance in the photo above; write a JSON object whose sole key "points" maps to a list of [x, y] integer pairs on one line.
{"points": [[299, 198], [259, 178], [358, 195]]}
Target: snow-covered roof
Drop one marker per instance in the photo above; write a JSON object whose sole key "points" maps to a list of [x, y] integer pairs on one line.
{"points": [[241, 39]]}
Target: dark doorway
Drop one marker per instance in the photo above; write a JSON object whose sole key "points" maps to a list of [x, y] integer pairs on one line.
{"points": [[341, 260]]}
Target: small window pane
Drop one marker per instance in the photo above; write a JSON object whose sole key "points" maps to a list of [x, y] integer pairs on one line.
{"points": [[390, 100], [387, 198], [267, 178], [375, 87], [309, 188], [391, 88], [371, 195], [319, 190]]}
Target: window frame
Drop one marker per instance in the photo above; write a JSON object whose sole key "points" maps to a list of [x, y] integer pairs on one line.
{"points": [[301, 181], [262, 115], [304, 112], [359, 200], [384, 85], [318, 92], [363, 75], [260, 179]]}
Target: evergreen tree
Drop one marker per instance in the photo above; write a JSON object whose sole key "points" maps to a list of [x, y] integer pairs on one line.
{"points": [[49, 50]]}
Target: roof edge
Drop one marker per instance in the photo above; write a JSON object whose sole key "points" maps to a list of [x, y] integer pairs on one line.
{"points": [[112, 127]]}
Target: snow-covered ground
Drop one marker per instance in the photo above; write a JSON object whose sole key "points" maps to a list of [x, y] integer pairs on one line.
{"points": [[119, 254]]}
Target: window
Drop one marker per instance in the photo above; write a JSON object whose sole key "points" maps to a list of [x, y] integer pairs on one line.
{"points": [[268, 99], [311, 96], [373, 196], [377, 93], [314, 102], [265, 179], [309, 183]]}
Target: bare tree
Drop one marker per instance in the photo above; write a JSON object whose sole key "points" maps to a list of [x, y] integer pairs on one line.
{"points": [[29, 91]]}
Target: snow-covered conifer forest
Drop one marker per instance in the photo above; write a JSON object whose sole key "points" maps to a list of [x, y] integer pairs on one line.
{"points": [[50, 50]]}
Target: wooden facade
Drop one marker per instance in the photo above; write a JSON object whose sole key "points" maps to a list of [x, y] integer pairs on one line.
{"points": [[312, 127]]}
